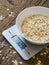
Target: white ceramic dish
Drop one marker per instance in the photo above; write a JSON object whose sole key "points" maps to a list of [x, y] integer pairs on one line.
{"points": [[27, 12]]}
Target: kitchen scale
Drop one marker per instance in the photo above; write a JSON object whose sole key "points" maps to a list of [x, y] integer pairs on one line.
{"points": [[24, 48]]}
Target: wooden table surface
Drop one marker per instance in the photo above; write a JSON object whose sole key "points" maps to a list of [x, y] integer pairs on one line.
{"points": [[9, 9]]}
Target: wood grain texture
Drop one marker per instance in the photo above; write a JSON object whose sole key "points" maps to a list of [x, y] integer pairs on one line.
{"points": [[7, 52]]}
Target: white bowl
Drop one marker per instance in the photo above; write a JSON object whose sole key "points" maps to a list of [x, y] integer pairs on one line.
{"points": [[27, 12]]}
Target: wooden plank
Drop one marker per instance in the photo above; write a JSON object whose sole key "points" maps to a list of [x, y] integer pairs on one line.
{"points": [[7, 52]]}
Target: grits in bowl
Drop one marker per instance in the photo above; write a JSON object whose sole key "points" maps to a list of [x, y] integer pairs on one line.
{"points": [[36, 28]]}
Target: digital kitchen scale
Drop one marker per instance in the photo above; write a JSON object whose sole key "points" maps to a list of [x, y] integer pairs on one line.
{"points": [[24, 48]]}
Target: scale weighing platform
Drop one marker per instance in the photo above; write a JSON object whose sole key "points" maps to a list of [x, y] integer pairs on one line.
{"points": [[24, 48]]}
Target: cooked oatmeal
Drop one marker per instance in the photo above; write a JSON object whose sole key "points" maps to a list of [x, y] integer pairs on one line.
{"points": [[36, 28]]}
